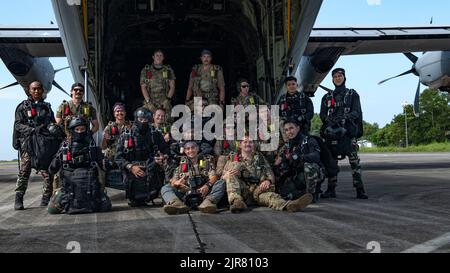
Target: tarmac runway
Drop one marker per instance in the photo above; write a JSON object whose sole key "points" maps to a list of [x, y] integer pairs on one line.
{"points": [[408, 210]]}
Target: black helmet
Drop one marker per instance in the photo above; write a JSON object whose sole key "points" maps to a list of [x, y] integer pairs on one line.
{"points": [[77, 121], [338, 70], [142, 112]]}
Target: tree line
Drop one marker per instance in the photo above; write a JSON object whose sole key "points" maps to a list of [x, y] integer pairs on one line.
{"points": [[433, 124]]}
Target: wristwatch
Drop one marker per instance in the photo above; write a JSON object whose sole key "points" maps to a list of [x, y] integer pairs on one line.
{"points": [[129, 166]]}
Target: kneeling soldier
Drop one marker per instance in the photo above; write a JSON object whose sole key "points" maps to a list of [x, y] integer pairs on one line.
{"points": [[141, 153], [298, 165], [78, 161], [250, 179], [194, 184]]}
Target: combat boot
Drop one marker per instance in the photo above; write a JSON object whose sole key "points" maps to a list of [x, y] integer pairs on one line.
{"points": [[330, 192], [207, 206], [238, 206], [45, 200], [18, 204], [361, 194], [299, 203], [175, 207]]}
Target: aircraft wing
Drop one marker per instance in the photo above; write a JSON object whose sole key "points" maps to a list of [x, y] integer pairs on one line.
{"points": [[37, 41], [371, 40]]}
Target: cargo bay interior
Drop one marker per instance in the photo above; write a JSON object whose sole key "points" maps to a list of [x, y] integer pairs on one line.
{"points": [[247, 38]]}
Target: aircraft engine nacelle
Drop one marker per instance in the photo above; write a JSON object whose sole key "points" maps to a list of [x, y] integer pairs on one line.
{"points": [[26, 68], [313, 69], [433, 69]]}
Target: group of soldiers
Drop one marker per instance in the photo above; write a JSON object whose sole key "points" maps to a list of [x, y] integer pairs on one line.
{"points": [[188, 174]]}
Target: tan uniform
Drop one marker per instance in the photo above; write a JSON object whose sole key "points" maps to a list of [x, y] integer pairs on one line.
{"points": [[206, 83], [157, 83], [222, 150], [251, 99], [245, 184], [114, 130], [68, 109]]}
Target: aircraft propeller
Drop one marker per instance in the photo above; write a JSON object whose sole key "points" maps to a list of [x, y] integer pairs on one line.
{"points": [[413, 58]]}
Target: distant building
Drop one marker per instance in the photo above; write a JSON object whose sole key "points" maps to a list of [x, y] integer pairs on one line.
{"points": [[365, 144]]}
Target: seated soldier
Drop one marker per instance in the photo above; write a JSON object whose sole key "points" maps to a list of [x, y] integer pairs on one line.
{"points": [[194, 184], [223, 148], [249, 179], [141, 155], [298, 165], [77, 161], [113, 177]]}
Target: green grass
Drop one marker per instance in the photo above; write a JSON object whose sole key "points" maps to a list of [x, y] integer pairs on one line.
{"points": [[8, 161], [433, 147]]}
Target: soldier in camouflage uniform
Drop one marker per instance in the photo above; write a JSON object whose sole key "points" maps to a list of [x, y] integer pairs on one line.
{"points": [[223, 148], [250, 180], [111, 136], [194, 181], [206, 80], [31, 115], [245, 97], [298, 166], [158, 84], [75, 107]]}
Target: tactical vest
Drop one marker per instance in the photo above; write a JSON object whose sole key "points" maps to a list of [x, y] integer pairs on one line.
{"points": [[138, 148], [205, 82], [205, 165], [157, 81], [73, 158], [251, 99], [252, 173], [68, 111], [355, 128], [37, 113], [293, 106]]}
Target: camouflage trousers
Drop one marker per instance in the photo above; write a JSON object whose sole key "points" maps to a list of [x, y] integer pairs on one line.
{"points": [[237, 189], [24, 176], [306, 181], [355, 165], [155, 105]]}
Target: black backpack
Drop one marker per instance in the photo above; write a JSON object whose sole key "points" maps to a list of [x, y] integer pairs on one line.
{"points": [[82, 192], [44, 147], [326, 157]]}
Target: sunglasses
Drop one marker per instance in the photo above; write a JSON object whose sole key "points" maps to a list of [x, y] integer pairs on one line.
{"points": [[78, 90], [245, 86]]}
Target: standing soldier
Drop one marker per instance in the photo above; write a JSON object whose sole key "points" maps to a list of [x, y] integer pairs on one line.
{"points": [[158, 84], [246, 97], [249, 179], [341, 116], [75, 107], [110, 140], [140, 155], [31, 116], [206, 80], [194, 184], [296, 105], [297, 166]]}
